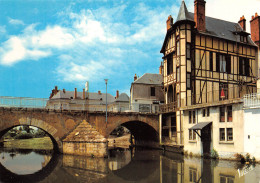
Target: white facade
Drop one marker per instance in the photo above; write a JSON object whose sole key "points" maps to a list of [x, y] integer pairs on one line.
{"points": [[252, 132], [231, 125]]}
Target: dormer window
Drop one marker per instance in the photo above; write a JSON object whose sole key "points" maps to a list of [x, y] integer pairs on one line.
{"points": [[243, 39]]}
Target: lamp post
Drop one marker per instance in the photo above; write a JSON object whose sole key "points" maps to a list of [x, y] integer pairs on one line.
{"points": [[106, 100]]}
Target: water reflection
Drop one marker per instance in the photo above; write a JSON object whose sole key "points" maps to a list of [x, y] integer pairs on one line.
{"points": [[123, 165]]}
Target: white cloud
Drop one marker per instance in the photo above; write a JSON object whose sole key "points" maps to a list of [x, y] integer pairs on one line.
{"points": [[91, 44], [91, 70], [57, 37], [15, 51], [15, 21]]}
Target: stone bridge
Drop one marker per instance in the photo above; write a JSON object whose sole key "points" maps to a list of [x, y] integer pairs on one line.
{"points": [[59, 124]]}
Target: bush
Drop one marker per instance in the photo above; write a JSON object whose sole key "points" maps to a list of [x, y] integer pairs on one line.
{"points": [[214, 154], [240, 158], [24, 136], [247, 157]]}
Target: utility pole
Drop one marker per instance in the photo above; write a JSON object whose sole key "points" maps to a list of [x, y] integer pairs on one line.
{"points": [[106, 100]]}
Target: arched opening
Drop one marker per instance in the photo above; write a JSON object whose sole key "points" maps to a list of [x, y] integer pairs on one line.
{"points": [[140, 134], [21, 132], [26, 146]]}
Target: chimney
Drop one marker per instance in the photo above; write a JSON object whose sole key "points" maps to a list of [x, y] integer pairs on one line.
{"points": [[135, 77], [117, 94], [99, 92], [75, 93], [64, 91], [255, 26], [83, 94], [169, 22], [242, 22], [199, 15]]}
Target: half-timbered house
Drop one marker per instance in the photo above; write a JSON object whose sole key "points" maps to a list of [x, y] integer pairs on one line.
{"points": [[209, 65]]}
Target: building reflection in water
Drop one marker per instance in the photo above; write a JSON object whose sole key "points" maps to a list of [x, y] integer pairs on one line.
{"points": [[125, 165]]}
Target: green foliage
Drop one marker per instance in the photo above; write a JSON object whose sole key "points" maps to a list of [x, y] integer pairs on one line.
{"points": [[253, 159], [240, 157], [24, 136], [247, 157], [39, 133], [214, 154]]}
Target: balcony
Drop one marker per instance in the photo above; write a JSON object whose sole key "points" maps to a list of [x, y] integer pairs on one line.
{"points": [[252, 100], [168, 107]]}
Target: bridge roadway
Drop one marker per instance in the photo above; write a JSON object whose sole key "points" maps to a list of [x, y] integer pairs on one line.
{"points": [[60, 123]]}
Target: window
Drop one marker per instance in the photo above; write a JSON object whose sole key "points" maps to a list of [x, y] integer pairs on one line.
{"points": [[193, 175], [188, 50], [211, 61], [222, 63], [244, 66], [229, 134], [226, 179], [188, 80], [228, 57], [152, 91], [205, 112], [192, 135], [222, 114], [169, 65], [222, 134], [229, 113], [194, 117], [190, 117]]}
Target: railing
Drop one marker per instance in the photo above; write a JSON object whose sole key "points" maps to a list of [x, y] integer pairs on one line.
{"points": [[216, 97], [252, 100], [23, 102], [168, 107]]}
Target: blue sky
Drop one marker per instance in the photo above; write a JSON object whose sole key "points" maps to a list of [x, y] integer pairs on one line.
{"points": [[44, 43]]}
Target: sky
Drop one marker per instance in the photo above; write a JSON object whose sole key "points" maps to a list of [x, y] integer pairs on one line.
{"points": [[48, 43]]}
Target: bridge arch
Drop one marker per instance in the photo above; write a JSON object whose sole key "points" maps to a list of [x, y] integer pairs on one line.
{"points": [[144, 134], [49, 129]]}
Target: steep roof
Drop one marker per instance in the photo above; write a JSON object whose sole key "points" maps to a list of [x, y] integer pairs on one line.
{"points": [[214, 27], [123, 97], [147, 78], [184, 13], [84, 132], [91, 96]]}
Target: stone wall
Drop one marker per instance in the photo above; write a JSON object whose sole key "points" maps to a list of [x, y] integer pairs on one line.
{"points": [[85, 140], [95, 149]]}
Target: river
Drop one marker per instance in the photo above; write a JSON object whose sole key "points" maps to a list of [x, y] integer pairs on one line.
{"points": [[123, 165]]}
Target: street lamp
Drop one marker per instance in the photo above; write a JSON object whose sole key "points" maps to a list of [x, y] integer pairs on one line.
{"points": [[106, 100]]}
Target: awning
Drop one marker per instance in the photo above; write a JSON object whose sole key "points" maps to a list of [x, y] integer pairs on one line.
{"points": [[200, 126]]}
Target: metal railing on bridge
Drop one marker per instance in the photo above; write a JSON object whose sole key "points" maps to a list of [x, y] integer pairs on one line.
{"points": [[23, 102]]}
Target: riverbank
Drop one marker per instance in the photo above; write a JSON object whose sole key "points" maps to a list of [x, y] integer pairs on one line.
{"points": [[123, 141], [34, 143]]}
